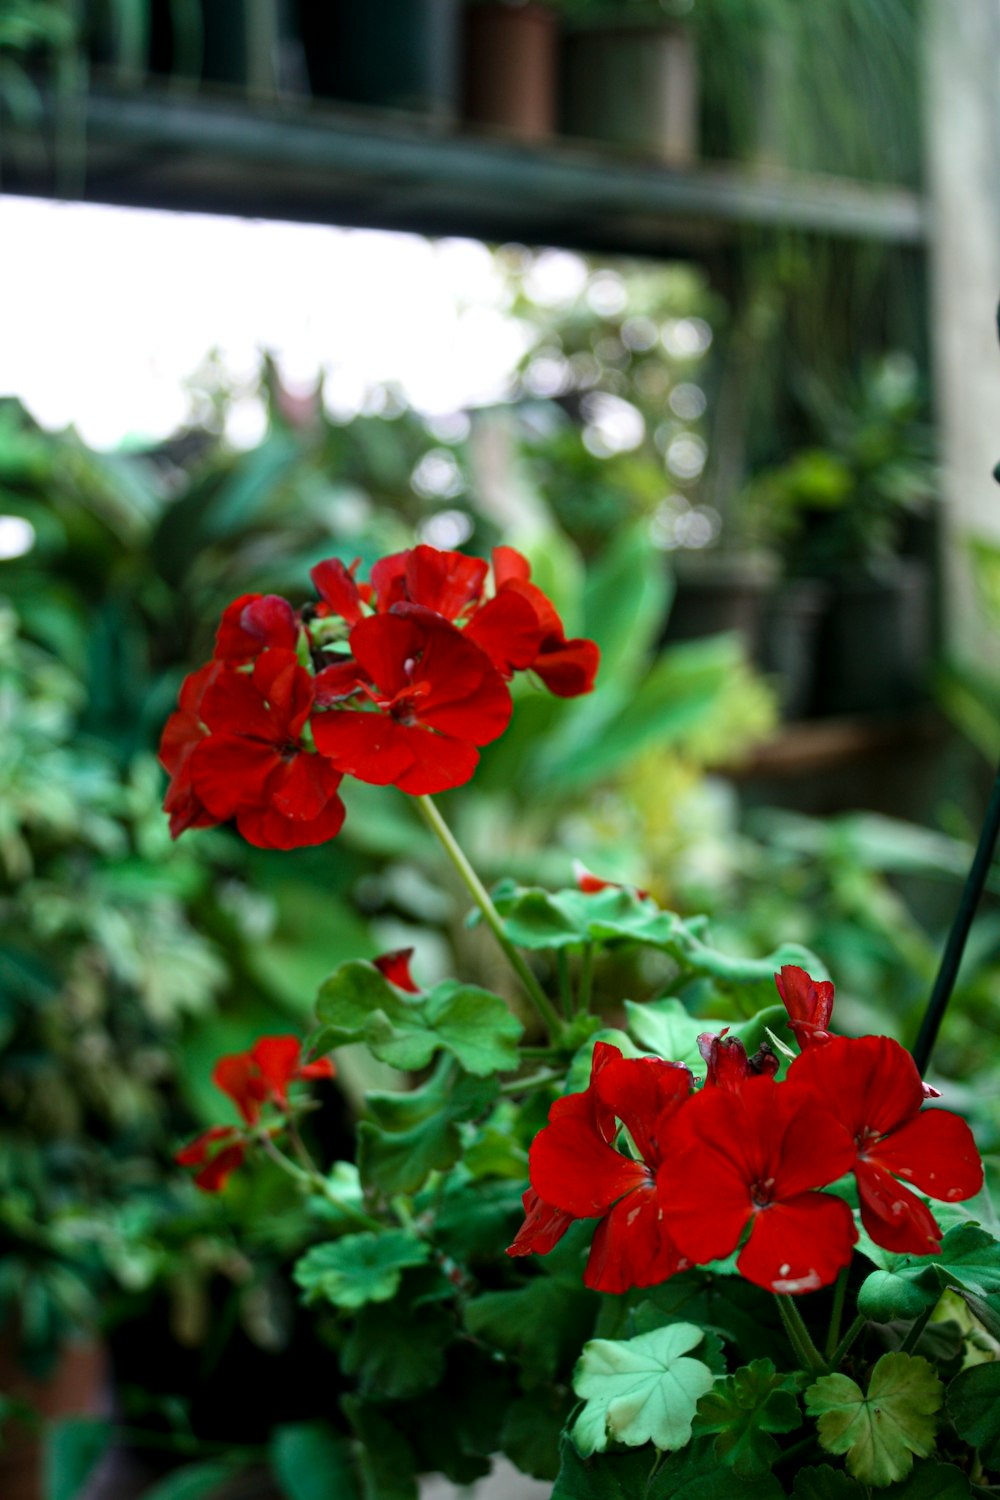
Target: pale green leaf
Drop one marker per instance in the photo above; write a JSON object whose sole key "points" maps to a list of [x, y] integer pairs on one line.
{"points": [[640, 1390], [359, 1268]]}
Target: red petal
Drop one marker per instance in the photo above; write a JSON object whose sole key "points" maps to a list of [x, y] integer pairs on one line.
{"points": [[543, 1227], [196, 684], [438, 763], [644, 1093], [335, 584], [213, 1177], [446, 582], [568, 668], [809, 1003], [303, 787], [370, 746], [196, 1152], [254, 622], [507, 629], [895, 1218], [388, 579], [508, 563], [238, 1076], [337, 682], [277, 1058], [728, 1064], [384, 645], [267, 828], [936, 1152], [233, 705], [799, 1245], [460, 692], [280, 678], [871, 1083], [631, 1246], [230, 773], [323, 1067], [588, 1105], [575, 1170], [396, 968]]}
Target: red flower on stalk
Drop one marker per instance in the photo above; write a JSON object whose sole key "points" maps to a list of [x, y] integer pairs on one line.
{"points": [[434, 698], [254, 623], [728, 1066], [448, 583], [396, 968], [576, 1172], [183, 731], [218, 1153], [754, 1156], [515, 642], [254, 765], [809, 1003], [339, 592], [872, 1087]]}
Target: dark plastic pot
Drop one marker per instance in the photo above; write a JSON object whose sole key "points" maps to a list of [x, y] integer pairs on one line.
{"points": [[876, 643], [636, 87], [399, 54], [790, 645], [720, 593], [510, 55]]}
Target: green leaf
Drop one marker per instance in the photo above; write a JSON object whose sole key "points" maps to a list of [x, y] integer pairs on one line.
{"points": [[73, 1449], [932, 1482], [194, 1482], [905, 1285], [825, 1483], [476, 1221], [417, 1133], [357, 1004], [531, 1432], [640, 1390], [312, 1462], [691, 1474], [974, 1408], [542, 1324], [386, 1460], [744, 1409], [882, 1431], [397, 1351], [359, 1268]]}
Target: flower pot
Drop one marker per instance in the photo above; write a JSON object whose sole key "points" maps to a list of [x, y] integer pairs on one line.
{"points": [[509, 68], [717, 593], [636, 87], [399, 54], [876, 641], [792, 621], [76, 1386]]}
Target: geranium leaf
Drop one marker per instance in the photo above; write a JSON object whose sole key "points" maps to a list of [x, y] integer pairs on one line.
{"points": [[385, 1458], [691, 1474], [312, 1462], [397, 1351], [932, 1482], [640, 1390], [358, 1268], [475, 1026], [743, 1410], [974, 1408], [542, 1324], [531, 1432], [357, 1004], [905, 1285], [825, 1483], [416, 1133], [882, 1431]]}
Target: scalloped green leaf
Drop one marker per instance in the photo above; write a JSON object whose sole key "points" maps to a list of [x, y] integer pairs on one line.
{"points": [[640, 1390], [358, 1268], [417, 1133], [824, 1483], [932, 1482], [879, 1432], [743, 1410], [974, 1408], [905, 1285], [475, 1026]]}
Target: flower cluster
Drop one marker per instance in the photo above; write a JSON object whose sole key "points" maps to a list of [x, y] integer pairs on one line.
{"points": [[252, 1080], [743, 1161], [398, 681]]}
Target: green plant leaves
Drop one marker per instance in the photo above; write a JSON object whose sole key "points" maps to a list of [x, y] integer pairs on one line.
{"points": [[73, 1450], [882, 1431], [825, 1483], [743, 1410], [416, 1133], [312, 1462], [666, 1028], [357, 1004], [905, 1285], [640, 1390], [541, 1324], [974, 1408], [359, 1268], [194, 1482], [398, 1351], [691, 1474]]}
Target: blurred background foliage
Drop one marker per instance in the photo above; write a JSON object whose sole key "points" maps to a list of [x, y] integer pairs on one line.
{"points": [[128, 964]]}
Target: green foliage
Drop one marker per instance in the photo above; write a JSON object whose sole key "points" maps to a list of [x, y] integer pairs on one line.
{"points": [[969, 1261], [358, 1268], [532, 1431], [974, 1408], [73, 1449], [358, 1004], [640, 1390], [417, 1133], [398, 1350], [691, 1474], [743, 1409], [312, 1462], [385, 1458], [881, 1431], [824, 1483], [541, 1324], [665, 1028], [201, 1481]]}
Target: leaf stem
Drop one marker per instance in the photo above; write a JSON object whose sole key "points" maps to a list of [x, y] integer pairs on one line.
{"points": [[840, 1353], [916, 1328], [586, 979], [565, 988], [836, 1312], [799, 1337], [314, 1180], [529, 1085], [491, 916]]}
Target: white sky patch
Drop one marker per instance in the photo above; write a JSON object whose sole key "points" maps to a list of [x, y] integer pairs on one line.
{"points": [[107, 313]]}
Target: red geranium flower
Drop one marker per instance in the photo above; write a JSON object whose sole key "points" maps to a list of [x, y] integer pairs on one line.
{"points": [[809, 1003], [448, 583], [254, 766], [183, 731], [514, 642], [871, 1085], [262, 1075], [218, 1153], [576, 1173], [254, 623], [728, 1066], [339, 591], [396, 968], [435, 696], [753, 1156]]}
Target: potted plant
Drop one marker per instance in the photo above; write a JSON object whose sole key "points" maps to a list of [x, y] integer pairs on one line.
{"points": [[693, 1242]]}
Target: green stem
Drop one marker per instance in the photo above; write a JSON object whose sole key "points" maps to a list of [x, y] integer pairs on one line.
{"points": [[836, 1312], [565, 988], [491, 916], [586, 979], [915, 1330], [313, 1179], [529, 1085], [840, 1353], [799, 1337]]}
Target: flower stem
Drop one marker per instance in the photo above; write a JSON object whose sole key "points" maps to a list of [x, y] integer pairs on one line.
{"points": [[586, 979], [836, 1312], [565, 988], [491, 916], [806, 1353], [529, 1085], [840, 1353], [315, 1182]]}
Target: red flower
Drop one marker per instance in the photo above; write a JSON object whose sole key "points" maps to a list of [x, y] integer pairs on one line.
{"points": [[183, 731], [254, 623], [396, 968], [339, 591], [872, 1086], [253, 765], [753, 1156], [448, 583], [727, 1061], [435, 697], [218, 1152], [576, 1173], [514, 642], [809, 1003], [590, 884], [263, 1074]]}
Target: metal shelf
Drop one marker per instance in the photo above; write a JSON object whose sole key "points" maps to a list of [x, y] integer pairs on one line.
{"points": [[165, 149]]}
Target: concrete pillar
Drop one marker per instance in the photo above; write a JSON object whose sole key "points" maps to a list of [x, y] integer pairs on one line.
{"points": [[962, 122]]}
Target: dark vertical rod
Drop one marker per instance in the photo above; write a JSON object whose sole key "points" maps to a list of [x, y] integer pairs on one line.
{"points": [[955, 946]]}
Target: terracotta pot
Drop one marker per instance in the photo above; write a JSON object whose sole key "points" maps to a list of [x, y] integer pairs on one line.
{"points": [[636, 87], [509, 77], [77, 1386]]}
